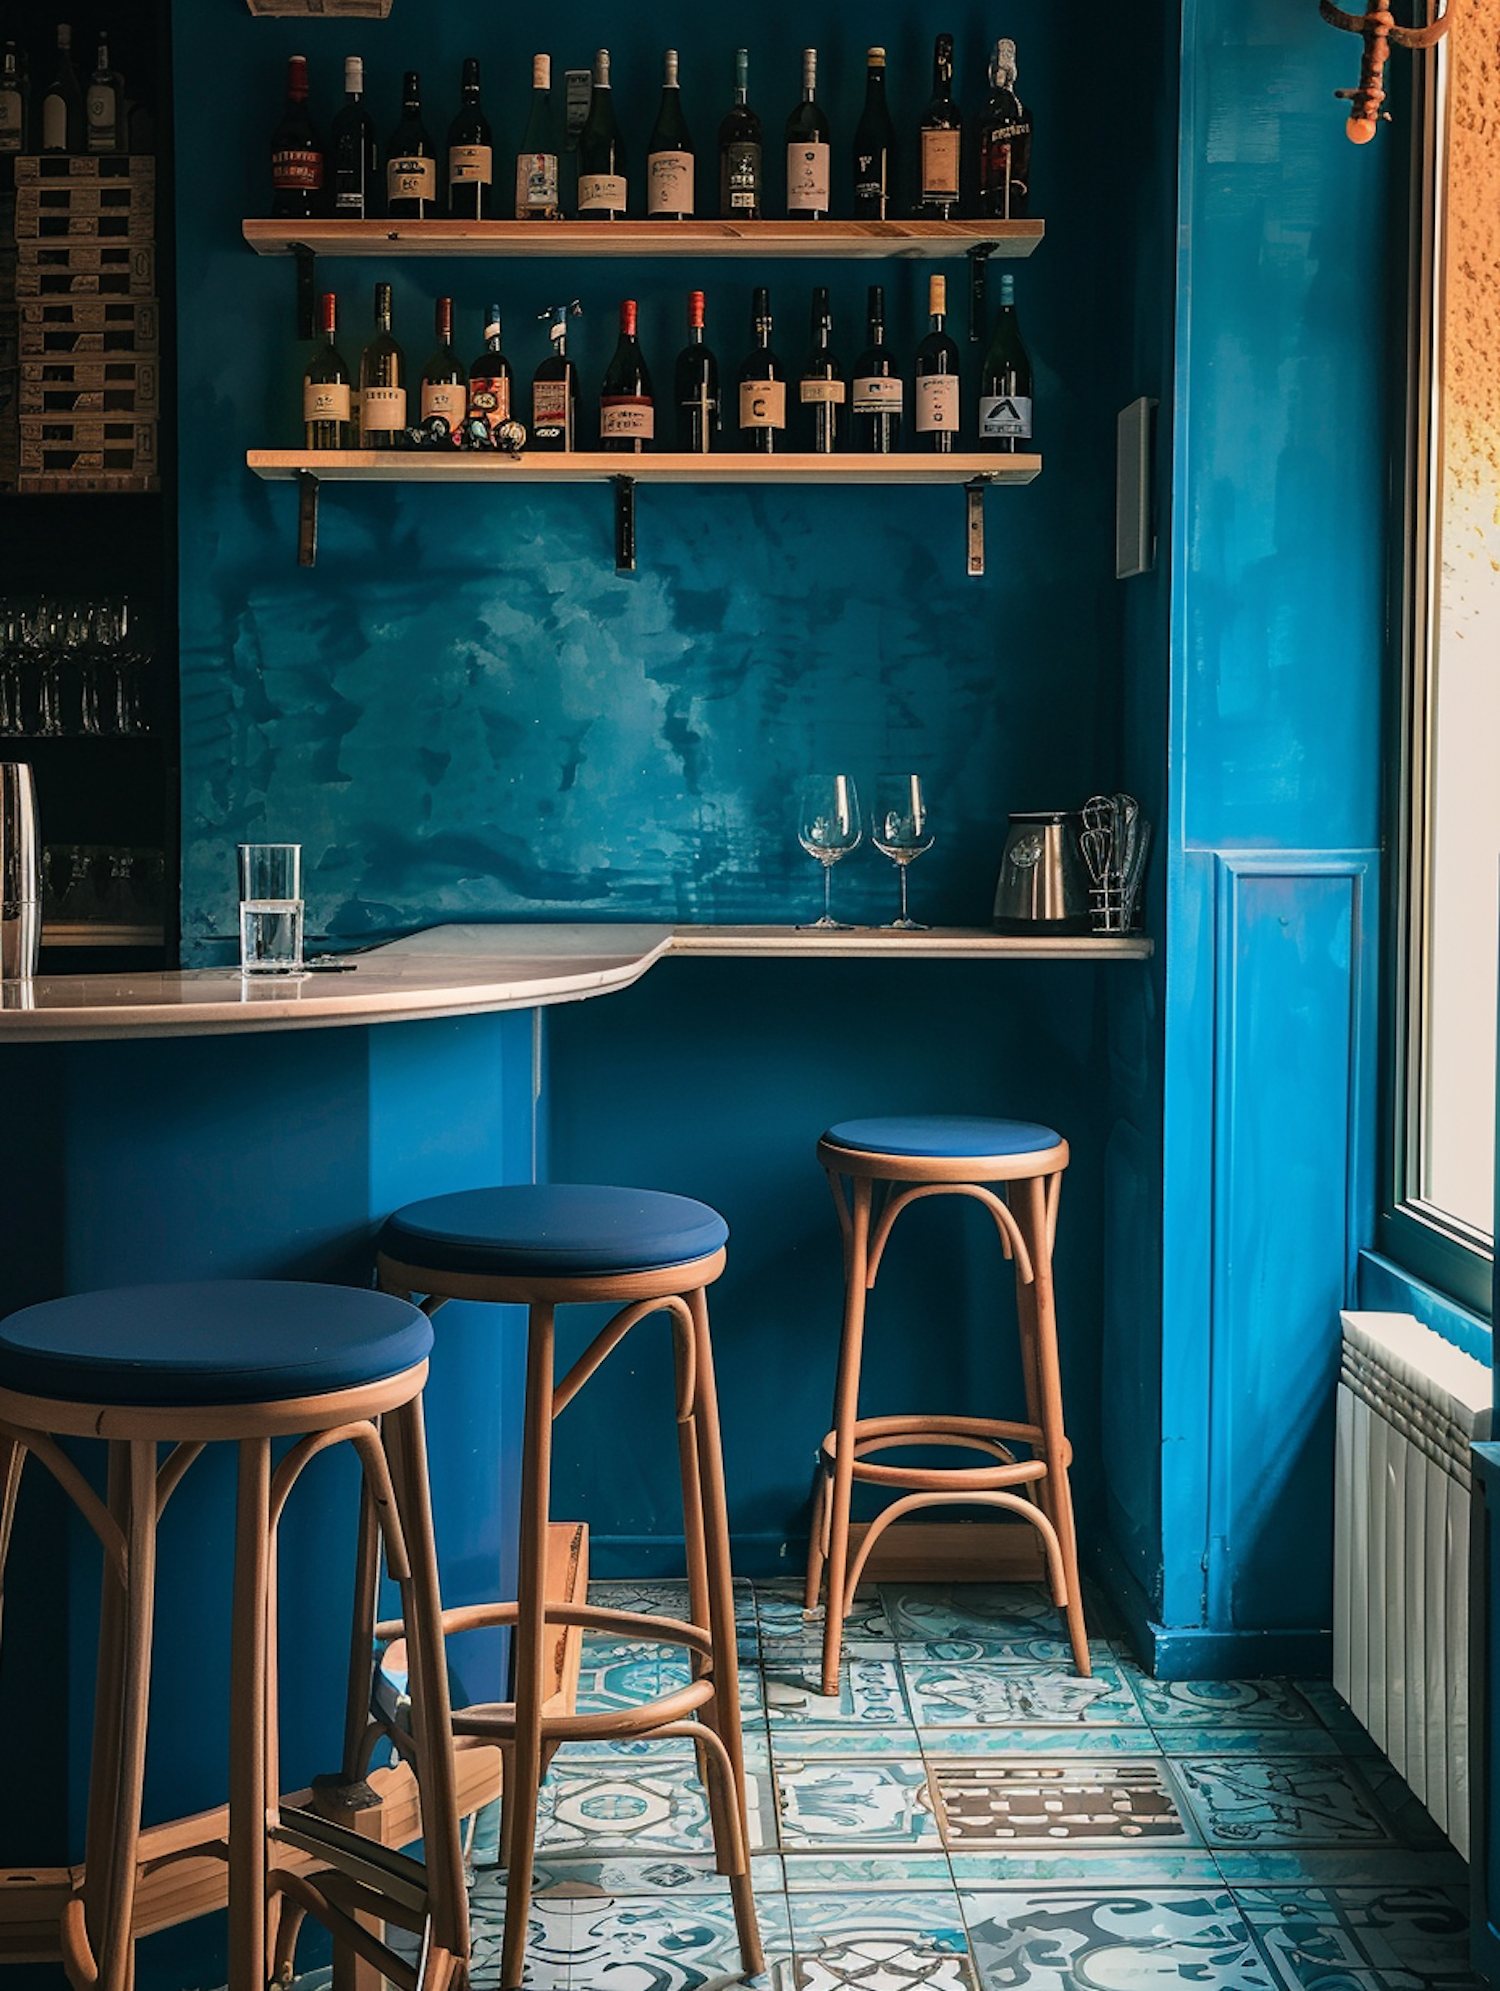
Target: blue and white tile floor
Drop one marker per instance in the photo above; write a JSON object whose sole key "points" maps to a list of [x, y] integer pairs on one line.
{"points": [[966, 1815]]}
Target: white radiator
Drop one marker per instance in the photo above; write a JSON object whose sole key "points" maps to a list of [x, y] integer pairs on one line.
{"points": [[1409, 1406]]}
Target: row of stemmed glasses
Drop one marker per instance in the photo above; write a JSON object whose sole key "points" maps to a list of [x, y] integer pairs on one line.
{"points": [[830, 826], [44, 641]]}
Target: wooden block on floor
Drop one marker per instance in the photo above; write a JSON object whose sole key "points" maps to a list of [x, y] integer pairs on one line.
{"points": [[953, 1552]]}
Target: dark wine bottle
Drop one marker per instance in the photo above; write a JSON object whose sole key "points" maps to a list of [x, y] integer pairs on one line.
{"points": [[1004, 143], [471, 153], [445, 380], [741, 152], [669, 153], [627, 406], [875, 148], [538, 190], [326, 398], [1005, 381], [296, 154], [382, 382], [938, 397], [411, 174], [807, 150], [879, 391], [762, 386], [490, 387], [696, 386], [821, 393], [603, 185], [15, 101], [354, 152], [942, 139], [63, 120], [554, 386], [104, 105]]}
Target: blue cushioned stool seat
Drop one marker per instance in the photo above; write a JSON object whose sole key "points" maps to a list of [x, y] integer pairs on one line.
{"points": [[213, 1342], [943, 1136], [557, 1230]]}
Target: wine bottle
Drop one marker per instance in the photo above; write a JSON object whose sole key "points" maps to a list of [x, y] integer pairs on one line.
{"points": [[627, 408], [942, 139], [538, 196], [445, 379], [471, 155], [15, 100], [669, 153], [554, 386], [382, 382], [602, 180], [63, 125], [741, 152], [326, 411], [696, 386], [490, 382], [821, 391], [411, 175], [938, 394], [807, 151], [875, 147], [879, 391], [353, 150], [104, 105], [1005, 381], [1004, 143], [762, 386]]}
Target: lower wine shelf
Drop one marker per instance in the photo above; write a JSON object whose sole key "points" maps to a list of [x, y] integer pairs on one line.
{"points": [[878, 943], [380, 466]]}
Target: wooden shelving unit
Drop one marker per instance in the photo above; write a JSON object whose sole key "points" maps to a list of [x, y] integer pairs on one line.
{"points": [[866, 240], [379, 466]]}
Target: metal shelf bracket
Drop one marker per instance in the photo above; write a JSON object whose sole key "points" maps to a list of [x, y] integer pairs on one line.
{"points": [[974, 532], [307, 291], [308, 487], [979, 257], [624, 525]]}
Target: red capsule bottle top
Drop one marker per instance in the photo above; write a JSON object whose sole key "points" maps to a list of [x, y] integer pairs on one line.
{"points": [[296, 77], [329, 311], [627, 318], [695, 309]]}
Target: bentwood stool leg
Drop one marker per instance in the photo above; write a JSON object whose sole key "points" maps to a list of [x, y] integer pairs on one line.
{"points": [[1034, 1199], [248, 1794], [689, 1466], [104, 1756], [845, 1414]]}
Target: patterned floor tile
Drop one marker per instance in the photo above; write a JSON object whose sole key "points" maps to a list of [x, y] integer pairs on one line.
{"points": [[667, 1597], [1040, 1650], [1121, 1865], [1145, 1939], [1082, 1739], [909, 1873], [876, 1963], [1413, 1822], [1009, 1803], [1261, 1704], [985, 1611], [1336, 1716], [986, 1694], [1369, 1866], [1301, 1801], [864, 1804], [1402, 1938], [637, 1806], [786, 1627], [870, 1696], [884, 1941], [672, 1873], [799, 1741]]}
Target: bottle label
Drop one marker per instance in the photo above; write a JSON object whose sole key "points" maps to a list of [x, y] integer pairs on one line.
{"points": [[447, 398], [411, 179], [55, 127], [102, 113], [879, 394], [669, 183], [382, 408], [325, 400], [868, 191], [1005, 415], [703, 407], [470, 162], [807, 177], [601, 193], [937, 403], [1004, 149], [550, 412], [814, 391], [629, 415], [489, 396], [350, 201], [10, 120], [536, 184], [742, 177], [299, 171], [762, 404], [940, 165]]}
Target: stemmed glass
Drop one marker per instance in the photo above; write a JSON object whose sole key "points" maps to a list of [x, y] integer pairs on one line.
{"points": [[828, 828], [900, 828]]}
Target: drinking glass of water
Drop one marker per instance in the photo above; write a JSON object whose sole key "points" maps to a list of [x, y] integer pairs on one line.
{"points": [[270, 908]]}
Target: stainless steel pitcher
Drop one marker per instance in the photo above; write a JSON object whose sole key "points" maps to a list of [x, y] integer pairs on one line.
{"points": [[20, 873], [1043, 887]]}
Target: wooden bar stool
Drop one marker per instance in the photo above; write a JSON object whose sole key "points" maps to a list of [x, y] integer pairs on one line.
{"points": [[891, 1164], [543, 1247], [243, 1362]]}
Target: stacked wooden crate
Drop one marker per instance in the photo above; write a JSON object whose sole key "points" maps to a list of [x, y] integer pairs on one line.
{"points": [[10, 362], [89, 331]]}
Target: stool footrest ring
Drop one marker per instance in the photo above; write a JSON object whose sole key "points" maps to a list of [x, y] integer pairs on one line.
{"points": [[589, 1617], [981, 1434], [495, 1721]]}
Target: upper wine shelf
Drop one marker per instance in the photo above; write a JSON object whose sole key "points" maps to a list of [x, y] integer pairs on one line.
{"points": [[386, 466], [870, 240]]}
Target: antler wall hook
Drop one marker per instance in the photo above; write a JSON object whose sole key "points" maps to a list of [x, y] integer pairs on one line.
{"points": [[1379, 28]]}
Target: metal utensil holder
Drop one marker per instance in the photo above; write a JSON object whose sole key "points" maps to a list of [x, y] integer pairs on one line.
{"points": [[1114, 843], [20, 874]]}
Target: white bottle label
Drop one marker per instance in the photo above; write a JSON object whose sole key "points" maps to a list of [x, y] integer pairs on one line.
{"points": [[937, 403], [102, 113], [382, 408], [601, 193], [411, 179], [446, 398], [627, 415], [1005, 415], [54, 124], [325, 400], [551, 413], [489, 395], [470, 162], [536, 184], [823, 390], [940, 165], [669, 183], [762, 404], [807, 178], [879, 394], [10, 120]]}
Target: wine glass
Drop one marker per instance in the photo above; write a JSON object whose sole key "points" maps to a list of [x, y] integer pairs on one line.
{"points": [[828, 828], [901, 829]]}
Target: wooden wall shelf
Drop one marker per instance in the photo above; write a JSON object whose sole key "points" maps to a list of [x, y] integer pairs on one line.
{"points": [[870, 943], [869, 240], [378, 466]]}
